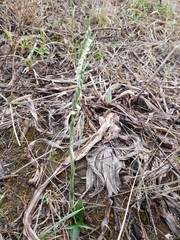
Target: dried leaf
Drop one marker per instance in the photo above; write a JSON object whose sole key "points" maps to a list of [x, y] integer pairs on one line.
{"points": [[137, 232], [2, 173], [105, 221], [103, 169], [172, 223]]}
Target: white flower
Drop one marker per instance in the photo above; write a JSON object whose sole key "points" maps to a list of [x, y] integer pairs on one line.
{"points": [[82, 59]]}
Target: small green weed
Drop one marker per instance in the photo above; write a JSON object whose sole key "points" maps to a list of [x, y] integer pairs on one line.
{"points": [[10, 38], [53, 157], [165, 10], [2, 196], [46, 198], [51, 232], [17, 236], [142, 7], [25, 42], [41, 50], [77, 223]]}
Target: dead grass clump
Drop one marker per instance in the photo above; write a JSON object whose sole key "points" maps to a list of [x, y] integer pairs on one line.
{"points": [[104, 14], [23, 14]]}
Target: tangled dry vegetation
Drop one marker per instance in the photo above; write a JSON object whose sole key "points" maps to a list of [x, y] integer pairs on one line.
{"points": [[127, 132]]}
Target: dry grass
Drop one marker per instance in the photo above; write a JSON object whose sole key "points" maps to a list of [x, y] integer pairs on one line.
{"points": [[127, 147]]}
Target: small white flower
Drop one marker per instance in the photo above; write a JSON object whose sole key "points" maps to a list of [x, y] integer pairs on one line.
{"points": [[82, 59]]}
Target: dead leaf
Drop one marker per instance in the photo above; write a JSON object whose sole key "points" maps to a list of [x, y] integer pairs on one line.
{"points": [[2, 173], [105, 221], [103, 170], [172, 223]]}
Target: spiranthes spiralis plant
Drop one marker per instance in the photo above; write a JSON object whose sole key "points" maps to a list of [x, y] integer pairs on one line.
{"points": [[85, 47]]}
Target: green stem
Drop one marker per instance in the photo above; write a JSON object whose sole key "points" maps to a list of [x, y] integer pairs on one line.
{"points": [[72, 163], [80, 78]]}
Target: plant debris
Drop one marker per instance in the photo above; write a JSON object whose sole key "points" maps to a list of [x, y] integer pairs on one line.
{"points": [[127, 130]]}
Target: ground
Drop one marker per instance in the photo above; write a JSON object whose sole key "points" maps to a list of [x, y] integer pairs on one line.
{"points": [[126, 127]]}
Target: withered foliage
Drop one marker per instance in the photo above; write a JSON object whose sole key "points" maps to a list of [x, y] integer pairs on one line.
{"points": [[130, 144], [23, 14]]}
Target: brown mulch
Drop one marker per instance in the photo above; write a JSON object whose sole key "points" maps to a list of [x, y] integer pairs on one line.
{"points": [[128, 147]]}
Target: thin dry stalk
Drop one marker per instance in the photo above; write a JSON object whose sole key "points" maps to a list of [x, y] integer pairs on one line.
{"points": [[127, 207]]}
